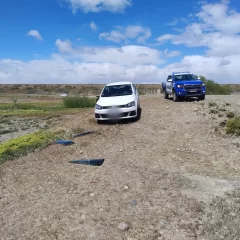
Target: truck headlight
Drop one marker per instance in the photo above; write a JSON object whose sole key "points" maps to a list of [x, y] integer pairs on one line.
{"points": [[203, 85], [98, 106], [131, 104], [180, 86]]}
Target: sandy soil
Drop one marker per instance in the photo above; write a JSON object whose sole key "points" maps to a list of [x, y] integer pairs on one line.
{"points": [[176, 163]]}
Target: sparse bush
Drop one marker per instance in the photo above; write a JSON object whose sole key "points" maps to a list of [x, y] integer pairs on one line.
{"points": [[222, 109], [141, 91], [230, 114], [233, 126], [212, 104], [215, 88], [213, 111], [79, 102], [220, 115]]}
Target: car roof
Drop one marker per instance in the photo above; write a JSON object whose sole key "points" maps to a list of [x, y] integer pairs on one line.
{"points": [[180, 73], [118, 83]]}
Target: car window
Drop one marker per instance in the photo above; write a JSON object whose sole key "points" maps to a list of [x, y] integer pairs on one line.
{"points": [[184, 77], [169, 77], [117, 90]]}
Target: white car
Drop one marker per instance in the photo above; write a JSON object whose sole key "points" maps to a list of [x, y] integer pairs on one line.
{"points": [[118, 100]]}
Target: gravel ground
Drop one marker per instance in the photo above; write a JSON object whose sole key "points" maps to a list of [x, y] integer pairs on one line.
{"points": [[172, 175]]}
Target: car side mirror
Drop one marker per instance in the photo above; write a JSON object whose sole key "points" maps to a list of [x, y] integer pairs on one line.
{"points": [[97, 97]]}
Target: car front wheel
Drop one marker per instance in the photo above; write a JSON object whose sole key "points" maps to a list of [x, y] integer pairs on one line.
{"points": [[175, 97], [201, 98]]}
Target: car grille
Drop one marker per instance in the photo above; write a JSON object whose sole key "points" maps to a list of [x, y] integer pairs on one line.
{"points": [[190, 87], [117, 115], [118, 106]]}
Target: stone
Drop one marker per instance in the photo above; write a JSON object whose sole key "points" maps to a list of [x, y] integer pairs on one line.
{"points": [[133, 202], [123, 226], [126, 187]]}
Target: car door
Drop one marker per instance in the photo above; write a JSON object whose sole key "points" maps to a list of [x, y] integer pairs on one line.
{"points": [[169, 84]]}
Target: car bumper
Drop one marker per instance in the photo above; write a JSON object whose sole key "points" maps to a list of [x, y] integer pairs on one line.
{"points": [[121, 113], [191, 93]]}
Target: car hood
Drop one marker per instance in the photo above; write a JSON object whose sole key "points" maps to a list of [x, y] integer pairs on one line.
{"points": [[115, 101], [189, 82]]}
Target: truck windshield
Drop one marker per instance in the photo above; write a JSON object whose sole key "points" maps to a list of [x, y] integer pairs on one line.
{"points": [[117, 90], [185, 77]]}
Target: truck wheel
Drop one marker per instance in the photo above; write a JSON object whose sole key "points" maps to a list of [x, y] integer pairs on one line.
{"points": [[165, 95], [201, 98], [175, 97]]}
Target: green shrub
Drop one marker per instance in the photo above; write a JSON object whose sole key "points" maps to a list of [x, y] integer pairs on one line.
{"points": [[230, 114], [79, 102], [215, 88], [22, 145], [233, 126]]}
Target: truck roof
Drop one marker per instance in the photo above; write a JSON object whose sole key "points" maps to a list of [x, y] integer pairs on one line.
{"points": [[180, 73]]}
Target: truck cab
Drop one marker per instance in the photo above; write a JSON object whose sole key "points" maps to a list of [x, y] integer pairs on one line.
{"points": [[183, 85]]}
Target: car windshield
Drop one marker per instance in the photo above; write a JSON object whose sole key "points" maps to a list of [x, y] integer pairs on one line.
{"points": [[185, 77], [117, 90]]}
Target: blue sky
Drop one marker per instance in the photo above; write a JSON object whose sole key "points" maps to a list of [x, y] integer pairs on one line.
{"points": [[98, 41]]}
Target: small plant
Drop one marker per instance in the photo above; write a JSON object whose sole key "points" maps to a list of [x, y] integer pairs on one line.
{"points": [[141, 91], [212, 104], [222, 109], [213, 111], [220, 115], [233, 126], [230, 114], [78, 102]]}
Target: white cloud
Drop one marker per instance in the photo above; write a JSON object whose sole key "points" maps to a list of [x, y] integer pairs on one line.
{"points": [[216, 28], [164, 38], [59, 70], [173, 23], [98, 5], [170, 54], [64, 46], [139, 33], [93, 26], [35, 34], [126, 55]]}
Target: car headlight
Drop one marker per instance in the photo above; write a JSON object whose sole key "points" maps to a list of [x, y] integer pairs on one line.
{"points": [[180, 86], [203, 84], [98, 106], [131, 104]]}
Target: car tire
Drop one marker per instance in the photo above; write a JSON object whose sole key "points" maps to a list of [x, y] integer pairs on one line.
{"points": [[201, 98], [139, 112], [175, 97], [165, 94]]}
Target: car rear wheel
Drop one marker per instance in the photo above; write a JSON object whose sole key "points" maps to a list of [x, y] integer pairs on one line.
{"points": [[165, 95]]}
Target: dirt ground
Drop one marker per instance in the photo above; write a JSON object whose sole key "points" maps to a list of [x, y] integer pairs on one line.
{"points": [[173, 175]]}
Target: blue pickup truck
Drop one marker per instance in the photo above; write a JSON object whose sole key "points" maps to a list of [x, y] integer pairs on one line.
{"points": [[183, 85]]}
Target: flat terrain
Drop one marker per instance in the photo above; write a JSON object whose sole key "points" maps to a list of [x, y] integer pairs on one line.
{"points": [[173, 175]]}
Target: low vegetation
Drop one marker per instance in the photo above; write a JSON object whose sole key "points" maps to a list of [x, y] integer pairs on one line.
{"points": [[22, 145], [233, 126], [79, 102], [214, 88]]}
